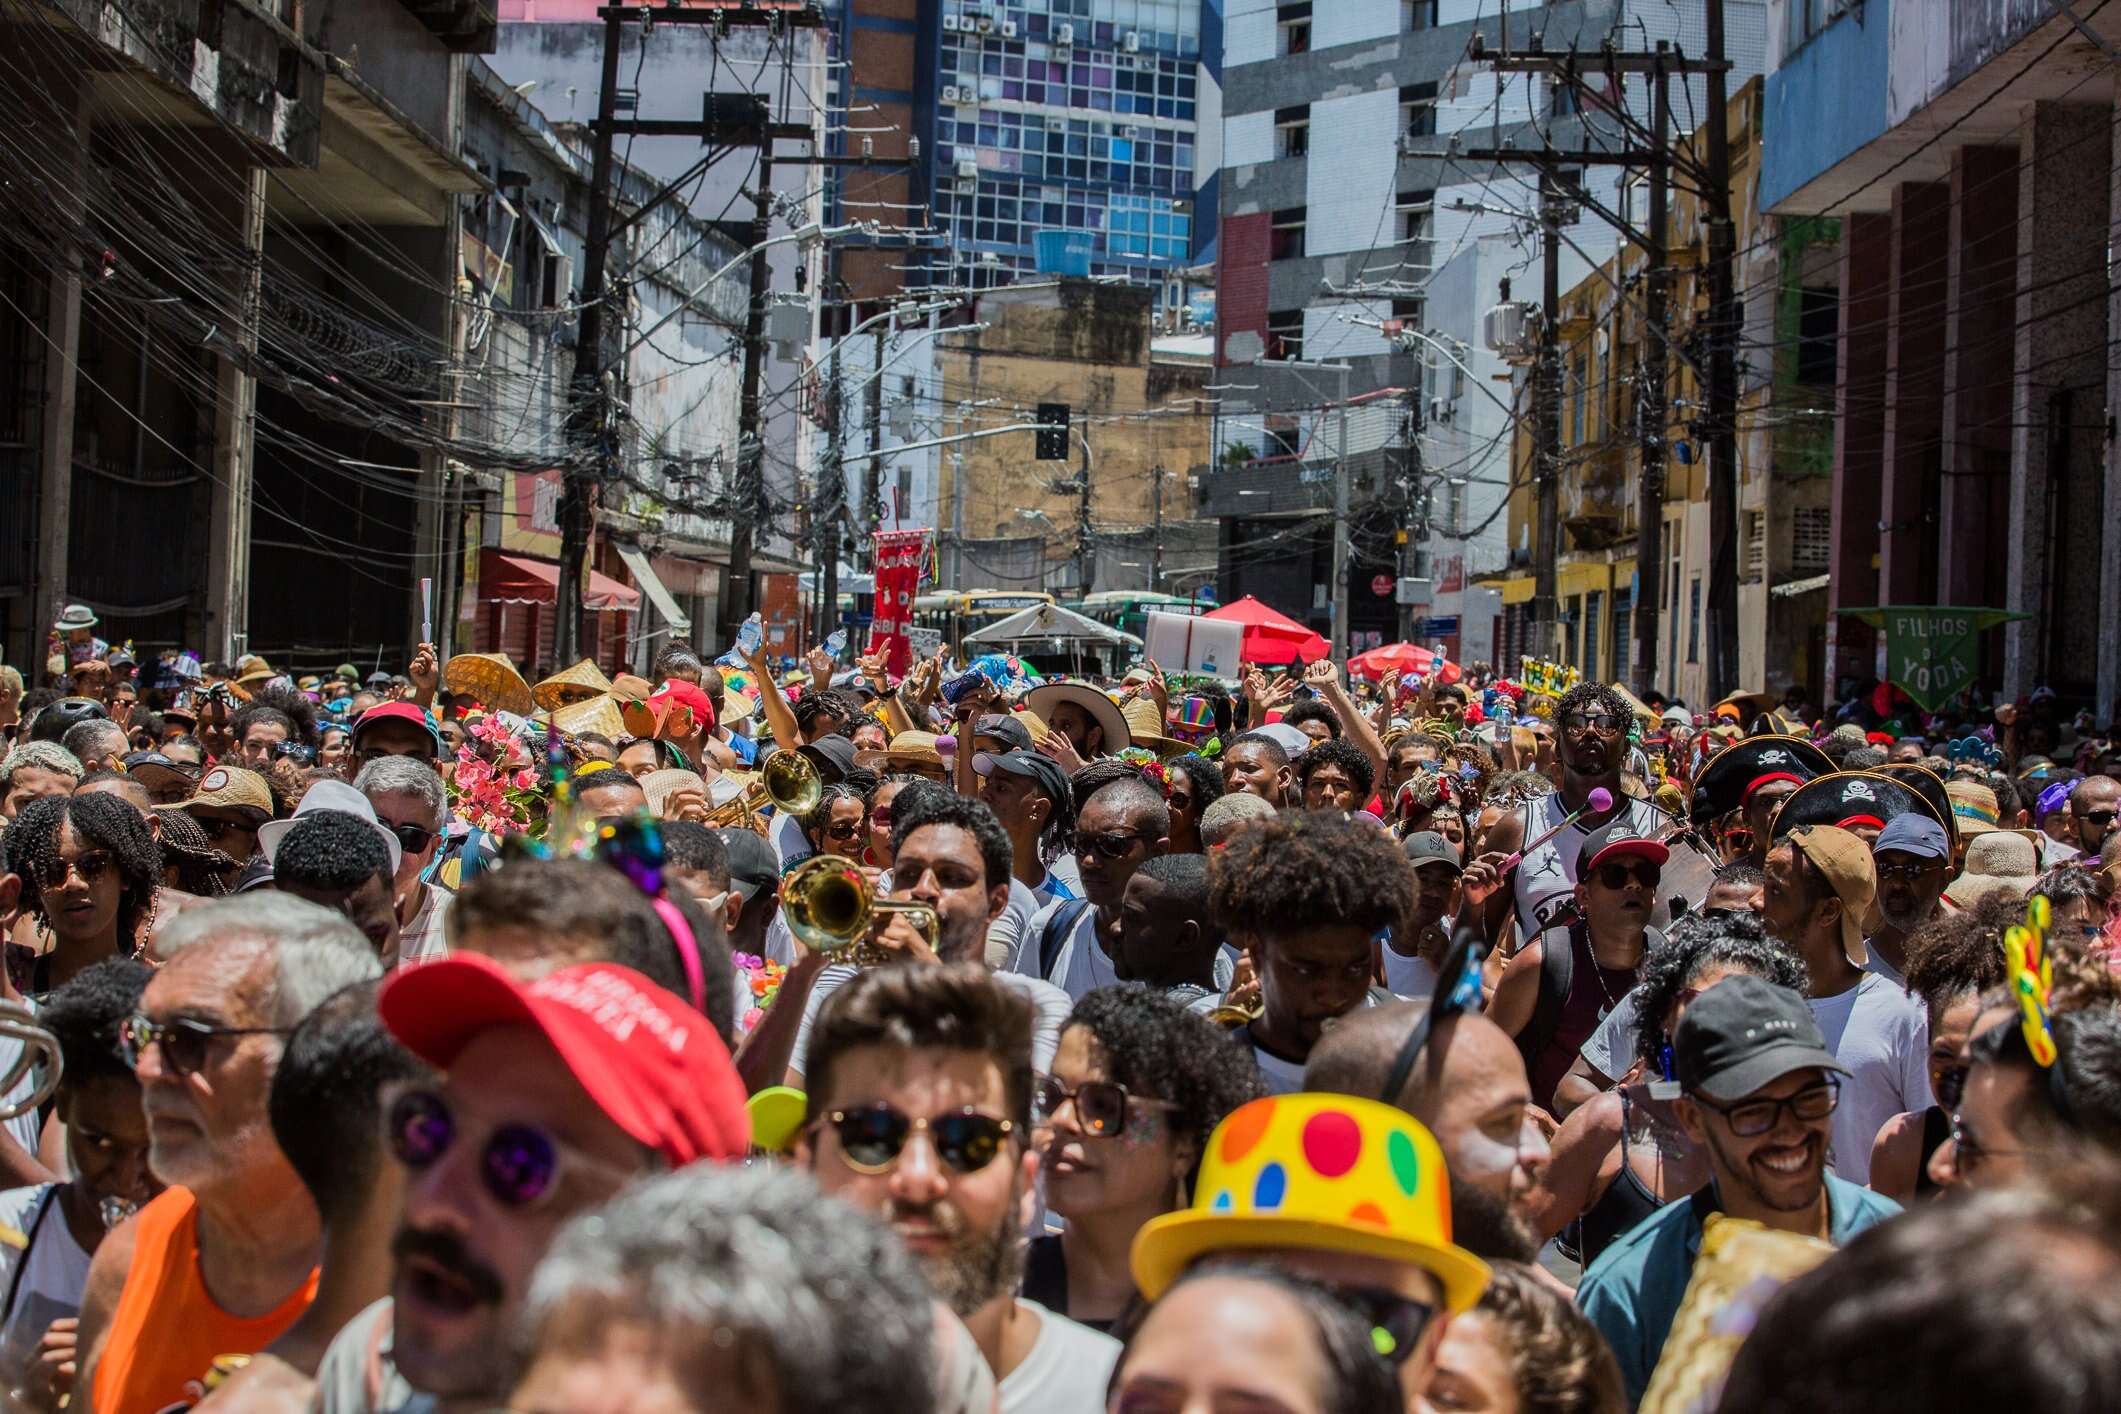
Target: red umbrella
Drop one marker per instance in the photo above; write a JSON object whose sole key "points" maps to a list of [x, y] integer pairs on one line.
{"points": [[1404, 659], [1270, 637]]}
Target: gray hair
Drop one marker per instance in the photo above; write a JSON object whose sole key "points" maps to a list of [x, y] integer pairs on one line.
{"points": [[404, 775], [1227, 812], [94, 738], [819, 1296], [315, 951], [46, 754]]}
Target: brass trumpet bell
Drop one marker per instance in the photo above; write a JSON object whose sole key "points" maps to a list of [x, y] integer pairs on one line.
{"points": [[831, 907], [791, 782]]}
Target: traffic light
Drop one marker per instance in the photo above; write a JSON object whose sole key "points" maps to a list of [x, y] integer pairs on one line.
{"points": [[1053, 432]]}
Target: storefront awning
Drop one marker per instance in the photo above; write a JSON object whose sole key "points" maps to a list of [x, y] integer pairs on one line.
{"points": [[644, 575], [519, 579]]}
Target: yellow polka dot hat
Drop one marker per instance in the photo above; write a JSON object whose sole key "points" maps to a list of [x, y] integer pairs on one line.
{"points": [[1325, 1172]]}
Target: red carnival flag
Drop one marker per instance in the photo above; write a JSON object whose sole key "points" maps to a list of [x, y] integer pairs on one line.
{"points": [[901, 556]]}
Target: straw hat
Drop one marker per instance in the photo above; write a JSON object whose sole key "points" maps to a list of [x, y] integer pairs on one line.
{"points": [[660, 785], [1997, 862], [907, 749], [576, 684], [598, 714], [491, 678], [1046, 697], [1145, 723], [1974, 805]]}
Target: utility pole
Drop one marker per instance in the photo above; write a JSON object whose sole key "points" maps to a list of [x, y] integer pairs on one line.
{"points": [[1156, 559], [748, 505], [825, 508], [1082, 519], [1652, 410], [590, 431], [873, 475], [1546, 531], [1723, 378], [1416, 532], [1339, 646]]}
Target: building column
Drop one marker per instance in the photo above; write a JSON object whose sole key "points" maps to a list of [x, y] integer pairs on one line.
{"points": [[62, 349], [2058, 400], [2108, 683], [1859, 444], [225, 630], [1914, 368], [1974, 500]]}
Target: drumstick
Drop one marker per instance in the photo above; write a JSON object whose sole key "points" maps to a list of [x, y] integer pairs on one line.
{"points": [[1600, 799]]}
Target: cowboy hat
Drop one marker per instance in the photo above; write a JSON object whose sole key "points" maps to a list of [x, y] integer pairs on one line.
{"points": [[1101, 709]]}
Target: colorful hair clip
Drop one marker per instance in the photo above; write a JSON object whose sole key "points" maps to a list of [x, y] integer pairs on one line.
{"points": [[2031, 972]]}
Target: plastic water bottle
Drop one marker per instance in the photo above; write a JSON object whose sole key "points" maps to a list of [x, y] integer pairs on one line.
{"points": [[836, 642], [749, 636]]}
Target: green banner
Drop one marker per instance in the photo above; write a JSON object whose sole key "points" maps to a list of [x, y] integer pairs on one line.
{"points": [[1932, 651]]}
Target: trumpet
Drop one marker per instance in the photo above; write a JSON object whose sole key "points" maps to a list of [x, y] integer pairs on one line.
{"points": [[831, 907], [39, 1048], [788, 782]]}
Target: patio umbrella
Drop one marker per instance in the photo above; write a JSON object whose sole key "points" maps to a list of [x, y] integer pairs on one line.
{"points": [[1270, 637], [1403, 658]]}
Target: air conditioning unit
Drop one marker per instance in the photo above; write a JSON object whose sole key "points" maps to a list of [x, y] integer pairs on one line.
{"points": [[1008, 29], [1130, 41], [967, 169], [1130, 131], [950, 93], [1056, 124], [1063, 35], [985, 25], [950, 24]]}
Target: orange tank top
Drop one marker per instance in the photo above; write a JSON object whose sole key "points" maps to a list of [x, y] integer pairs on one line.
{"points": [[167, 1329]]}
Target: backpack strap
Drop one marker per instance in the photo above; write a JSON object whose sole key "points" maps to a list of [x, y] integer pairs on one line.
{"points": [[1557, 974], [1060, 924]]}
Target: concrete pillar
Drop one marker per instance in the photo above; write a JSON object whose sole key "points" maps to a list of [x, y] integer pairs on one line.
{"points": [[2058, 400], [2108, 684], [225, 630], [62, 349], [1914, 369], [1974, 501], [1859, 442]]}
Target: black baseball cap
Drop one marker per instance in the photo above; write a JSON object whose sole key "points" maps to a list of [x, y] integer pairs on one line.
{"points": [[832, 755], [1743, 1033], [1004, 727], [1428, 847], [752, 863], [1045, 772], [1614, 840]]}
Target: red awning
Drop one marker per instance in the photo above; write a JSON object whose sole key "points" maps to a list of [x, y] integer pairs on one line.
{"points": [[519, 579]]}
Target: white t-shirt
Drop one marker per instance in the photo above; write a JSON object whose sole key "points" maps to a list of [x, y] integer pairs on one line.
{"points": [[1882, 1035], [53, 1274], [1049, 1003], [790, 844], [1005, 935], [421, 940], [1409, 977], [1065, 1371]]}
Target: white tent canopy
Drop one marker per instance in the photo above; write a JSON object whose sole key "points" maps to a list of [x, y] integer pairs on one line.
{"points": [[1054, 624]]}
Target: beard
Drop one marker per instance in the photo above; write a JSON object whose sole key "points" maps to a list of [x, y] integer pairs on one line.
{"points": [[977, 1267], [1485, 1226]]}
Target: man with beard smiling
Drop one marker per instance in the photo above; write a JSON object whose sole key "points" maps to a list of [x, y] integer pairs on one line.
{"points": [[554, 1095], [919, 1110], [1758, 1089]]}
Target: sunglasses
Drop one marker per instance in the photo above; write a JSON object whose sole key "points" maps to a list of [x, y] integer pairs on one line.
{"points": [[1396, 1322], [1620, 875], [1100, 1105], [872, 1138], [51, 873], [2101, 818], [1599, 722], [216, 828], [1111, 845], [1910, 869], [1754, 1118], [183, 1042], [413, 838], [520, 1165], [843, 829]]}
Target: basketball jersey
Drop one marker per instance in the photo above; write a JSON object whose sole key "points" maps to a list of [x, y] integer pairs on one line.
{"points": [[1544, 884]]}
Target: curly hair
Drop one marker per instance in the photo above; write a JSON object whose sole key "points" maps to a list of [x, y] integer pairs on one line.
{"points": [[331, 849], [2066, 883], [1591, 694], [252, 713], [86, 1013], [293, 705], [106, 822], [1559, 1363], [1155, 1047], [1306, 869], [1959, 953], [1206, 776], [827, 702], [1344, 754], [1313, 710], [933, 803], [1696, 946]]}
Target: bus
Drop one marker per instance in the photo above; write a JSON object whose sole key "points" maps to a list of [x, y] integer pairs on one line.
{"points": [[1128, 609], [947, 618]]}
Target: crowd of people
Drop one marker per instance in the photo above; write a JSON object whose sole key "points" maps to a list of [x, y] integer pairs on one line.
{"points": [[968, 1040]]}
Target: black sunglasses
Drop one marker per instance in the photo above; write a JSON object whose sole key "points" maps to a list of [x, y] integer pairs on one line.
{"points": [[519, 1165], [1619, 875], [413, 838], [183, 1042], [1112, 844], [51, 871], [1396, 1322], [1100, 1105], [872, 1138]]}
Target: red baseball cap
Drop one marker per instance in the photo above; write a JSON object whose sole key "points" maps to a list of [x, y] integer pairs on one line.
{"points": [[397, 712], [651, 1063], [1616, 839], [678, 692]]}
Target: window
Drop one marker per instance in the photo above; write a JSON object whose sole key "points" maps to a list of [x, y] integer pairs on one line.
{"points": [[1818, 337], [1292, 29], [1288, 235], [1417, 215], [1623, 633], [1417, 14], [1285, 334], [1292, 131], [1807, 17], [1593, 604], [1417, 110], [1811, 539], [1693, 622], [1755, 547]]}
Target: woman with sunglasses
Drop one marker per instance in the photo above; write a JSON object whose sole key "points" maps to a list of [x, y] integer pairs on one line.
{"points": [[1622, 1155], [878, 805], [837, 825], [90, 872], [1525, 1349], [1950, 962], [1253, 1336], [1192, 783], [1137, 1085]]}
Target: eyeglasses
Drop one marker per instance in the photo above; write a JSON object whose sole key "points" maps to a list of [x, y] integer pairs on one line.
{"points": [[872, 1138], [1620, 875], [1396, 1322], [1100, 1105], [1602, 723], [413, 838], [1112, 844], [519, 1166], [183, 1042], [51, 873], [1951, 1087], [1754, 1118]]}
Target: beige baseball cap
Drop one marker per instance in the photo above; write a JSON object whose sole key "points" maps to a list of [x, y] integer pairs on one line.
{"points": [[232, 788]]}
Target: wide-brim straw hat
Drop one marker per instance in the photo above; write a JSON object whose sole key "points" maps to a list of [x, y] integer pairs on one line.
{"points": [[1145, 724], [492, 679], [598, 714], [579, 683]]}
